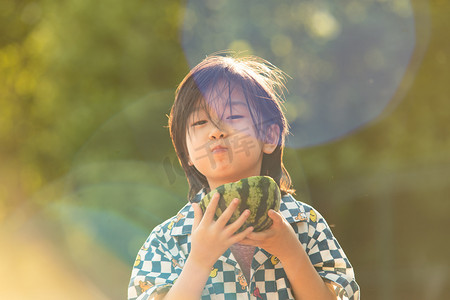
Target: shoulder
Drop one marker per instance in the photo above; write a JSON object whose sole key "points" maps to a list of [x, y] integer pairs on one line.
{"points": [[300, 214], [179, 224], [296, 211]]}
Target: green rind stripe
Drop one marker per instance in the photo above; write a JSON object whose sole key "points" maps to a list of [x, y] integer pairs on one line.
{"points": [[222, 203], [262, 186], [277, 199], [266, 224], [244, 191]]}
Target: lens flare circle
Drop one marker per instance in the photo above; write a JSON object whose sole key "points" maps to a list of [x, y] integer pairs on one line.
{"points": [[347, 61]]}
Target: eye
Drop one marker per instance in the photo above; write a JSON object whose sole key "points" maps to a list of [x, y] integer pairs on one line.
{"points": [[235, 117], [198, 123]]}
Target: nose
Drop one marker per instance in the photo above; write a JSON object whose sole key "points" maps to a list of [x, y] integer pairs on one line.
{"points": [[217, 133]]}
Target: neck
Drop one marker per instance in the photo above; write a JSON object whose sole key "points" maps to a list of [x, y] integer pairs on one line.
{"points": [[214, 183]]}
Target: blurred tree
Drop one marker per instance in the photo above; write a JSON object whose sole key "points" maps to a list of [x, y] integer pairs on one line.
{"points": [[67, 67], [17, 19]]}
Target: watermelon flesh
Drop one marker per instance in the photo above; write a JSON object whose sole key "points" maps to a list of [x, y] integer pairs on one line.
{"points": [[259, 194]]}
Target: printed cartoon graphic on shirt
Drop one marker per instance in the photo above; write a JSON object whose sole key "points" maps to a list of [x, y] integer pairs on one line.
{"points": [[145, 285], [178, 263], [312, 215], [213, 272], [300, 217], [274, 260], [179, 217], [242, 281], [137, 261], [256, 293]]}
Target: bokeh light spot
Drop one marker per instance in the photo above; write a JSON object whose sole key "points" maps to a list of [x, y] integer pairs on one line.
{"points": [[323, 25]]}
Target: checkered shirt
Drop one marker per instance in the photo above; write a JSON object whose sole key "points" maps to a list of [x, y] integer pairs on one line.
{"points": [[161, 259]]}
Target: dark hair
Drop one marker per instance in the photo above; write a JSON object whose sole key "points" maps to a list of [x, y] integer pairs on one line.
{"points": [[262, 85]]}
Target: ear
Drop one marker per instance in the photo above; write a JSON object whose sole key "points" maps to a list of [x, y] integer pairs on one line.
{"points": [[271, 139]]}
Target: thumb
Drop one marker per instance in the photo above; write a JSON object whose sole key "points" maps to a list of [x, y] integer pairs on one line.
{"points": [[276, 217]]}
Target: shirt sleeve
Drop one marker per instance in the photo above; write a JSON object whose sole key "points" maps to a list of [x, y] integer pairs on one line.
{"points": [[156, 268], [329, 259]]}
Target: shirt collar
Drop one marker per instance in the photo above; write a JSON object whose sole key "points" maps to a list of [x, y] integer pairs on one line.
{"points": [[292, 210]]}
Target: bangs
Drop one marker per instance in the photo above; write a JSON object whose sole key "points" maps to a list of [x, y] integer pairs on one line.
{"points": [[215, 88]]}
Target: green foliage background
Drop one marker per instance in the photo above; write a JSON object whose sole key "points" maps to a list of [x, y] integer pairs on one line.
{"points": [[86, 160]]}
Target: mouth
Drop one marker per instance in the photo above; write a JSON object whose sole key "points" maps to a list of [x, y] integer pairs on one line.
{"points": [[219, 149]]}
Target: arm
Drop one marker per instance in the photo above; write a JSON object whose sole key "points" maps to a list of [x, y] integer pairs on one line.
{"points": [[282, 241], [306, 284], [209, 240]]}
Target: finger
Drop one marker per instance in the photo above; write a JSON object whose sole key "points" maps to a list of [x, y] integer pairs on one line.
{"points": [[241, 236], [258, 236], [233, 227], [211, 209], [228, 212], [198, 214]]}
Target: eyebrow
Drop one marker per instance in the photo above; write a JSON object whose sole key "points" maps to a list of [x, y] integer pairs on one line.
{"points": [[237, 103], [240, 103]]}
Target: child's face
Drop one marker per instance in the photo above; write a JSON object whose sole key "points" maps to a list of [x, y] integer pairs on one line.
{"points": [[224, 147]]}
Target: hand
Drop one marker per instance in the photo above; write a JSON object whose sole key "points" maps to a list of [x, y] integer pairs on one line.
{"points": [[210, 238], [278, 240], [282, 241]]}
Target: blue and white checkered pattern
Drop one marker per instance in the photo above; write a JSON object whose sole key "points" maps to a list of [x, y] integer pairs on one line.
{"points": [[161, 259]]}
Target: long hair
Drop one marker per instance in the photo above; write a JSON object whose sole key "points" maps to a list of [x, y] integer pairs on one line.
{"points": [[262, 85]]}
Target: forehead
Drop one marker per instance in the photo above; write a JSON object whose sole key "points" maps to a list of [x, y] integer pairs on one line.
{"points": [[222, 98]]}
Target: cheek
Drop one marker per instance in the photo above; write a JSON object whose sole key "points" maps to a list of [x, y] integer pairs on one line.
{"points": [[246, 145], [246, 130], [241, 127], [189, 144], [194, 145]]}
